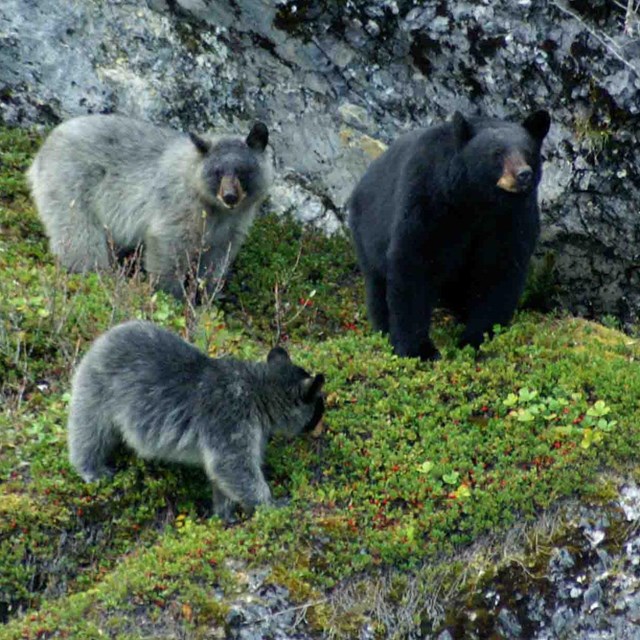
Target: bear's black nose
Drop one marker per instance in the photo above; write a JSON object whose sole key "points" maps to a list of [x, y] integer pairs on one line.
{"points": [[524, 178], [230, 198]]}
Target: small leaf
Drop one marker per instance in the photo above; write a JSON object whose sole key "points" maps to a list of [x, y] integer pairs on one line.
{"points": [[606, 425], [587, 439], [187, 612], [591, 437], [451, 478], [562, 431], [524, 415], [526, 395], [511, 400], [463, 491], [599, 409], [425, 467]]}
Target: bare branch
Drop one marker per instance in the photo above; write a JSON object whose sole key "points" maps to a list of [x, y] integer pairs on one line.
{"points": [[300, 609], [630, 17], [606, 41]]}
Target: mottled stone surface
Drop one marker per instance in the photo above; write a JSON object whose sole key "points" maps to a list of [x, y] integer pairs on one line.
{"points": [[589, 588], [573, 573], [336, 81]]}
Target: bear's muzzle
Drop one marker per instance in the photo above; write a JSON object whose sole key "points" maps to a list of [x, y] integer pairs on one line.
{"points": [[517, 175], [230, 192]]}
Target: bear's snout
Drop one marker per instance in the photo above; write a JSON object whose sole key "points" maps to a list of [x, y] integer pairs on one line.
{"points": [[230, 198], [517, 175], [230, 192]]}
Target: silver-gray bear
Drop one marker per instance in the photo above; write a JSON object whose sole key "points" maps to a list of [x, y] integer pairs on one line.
{"points": [[146, 387], [107, 184], [449, 215]]}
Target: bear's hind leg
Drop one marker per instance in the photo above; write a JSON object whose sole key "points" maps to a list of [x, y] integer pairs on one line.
{"points": [[75, 235], [92, 440], [80, 246], [376, 296]]}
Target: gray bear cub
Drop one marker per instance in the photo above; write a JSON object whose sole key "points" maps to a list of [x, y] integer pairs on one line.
{"points": [[107, 184], [166, 400]]}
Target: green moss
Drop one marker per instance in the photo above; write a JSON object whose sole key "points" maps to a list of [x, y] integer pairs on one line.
{"points": [[541, 289], [417, 458], [17, 147], [292, 284], [594, 135]]}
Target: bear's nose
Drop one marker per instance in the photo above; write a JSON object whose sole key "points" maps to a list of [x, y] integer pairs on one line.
{"points": [[524, 178], [230, 198]]}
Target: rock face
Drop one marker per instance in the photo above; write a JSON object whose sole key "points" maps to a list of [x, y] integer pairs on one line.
{"points": [[585, 584], [337, 80]]}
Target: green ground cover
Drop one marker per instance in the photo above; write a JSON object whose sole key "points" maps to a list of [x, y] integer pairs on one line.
{"points": [[417, 458]]}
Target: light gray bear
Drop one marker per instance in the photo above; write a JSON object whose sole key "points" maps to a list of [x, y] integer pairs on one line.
{"points": [[107, 184], [148, 388]]}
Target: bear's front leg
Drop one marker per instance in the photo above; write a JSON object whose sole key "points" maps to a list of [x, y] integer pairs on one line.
{"points": [[224, 234], [239, 478], [493, 305], [223, 507], [165, 264]]}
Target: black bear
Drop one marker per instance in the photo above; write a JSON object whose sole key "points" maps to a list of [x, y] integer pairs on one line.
{"points": [[449, 215]]}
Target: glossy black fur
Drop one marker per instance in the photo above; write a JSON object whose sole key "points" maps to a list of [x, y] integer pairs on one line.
{"points": [[431, 227]]}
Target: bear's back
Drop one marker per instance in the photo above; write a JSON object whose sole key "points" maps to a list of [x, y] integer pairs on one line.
{"points": [[109, 140], [410, 157], [403, 171]]}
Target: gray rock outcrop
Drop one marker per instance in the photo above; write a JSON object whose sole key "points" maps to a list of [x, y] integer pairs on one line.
{"points": [[336, 81]]}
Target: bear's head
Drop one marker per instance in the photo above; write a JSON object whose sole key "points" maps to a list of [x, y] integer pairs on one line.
{"points": [[297, 402], [501, 156], [235, 170]]}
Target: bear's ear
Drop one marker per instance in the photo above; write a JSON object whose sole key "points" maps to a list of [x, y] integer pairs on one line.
{"points": [[537, 124], [311, 387], [201, 144], [258, 137], [278, 355], [461, 129]]}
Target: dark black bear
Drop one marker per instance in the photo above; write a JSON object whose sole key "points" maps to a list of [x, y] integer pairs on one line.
{"points": [[449, 215]]}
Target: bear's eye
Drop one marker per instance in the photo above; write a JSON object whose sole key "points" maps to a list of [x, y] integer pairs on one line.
{"points": [[215, 175], [245, 176], [497, 155]]}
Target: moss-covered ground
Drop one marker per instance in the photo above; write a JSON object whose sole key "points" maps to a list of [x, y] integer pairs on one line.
{"points": [[416, 460]]}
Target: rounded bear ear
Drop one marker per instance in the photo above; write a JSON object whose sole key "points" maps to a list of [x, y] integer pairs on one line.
{"points": [[311, 387], [201, 144], [461, 129], [537, 124], [278, 355], [258, 137]]}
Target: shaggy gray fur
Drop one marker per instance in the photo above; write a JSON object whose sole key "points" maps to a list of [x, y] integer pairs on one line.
{"points": [[106, 179], [168, 401]]}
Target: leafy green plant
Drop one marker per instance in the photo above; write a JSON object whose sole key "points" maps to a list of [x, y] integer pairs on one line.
{"points": [[416, 458], [290, 283], [562, 417]]}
